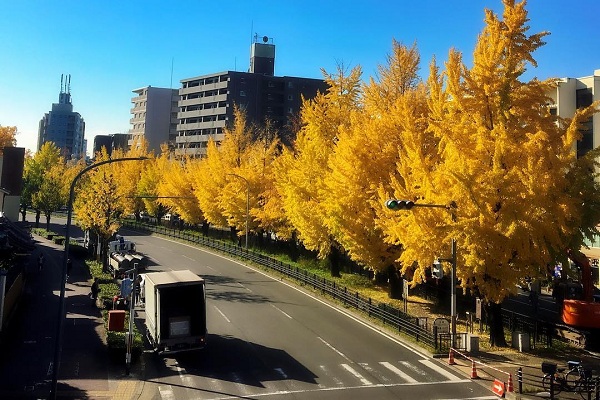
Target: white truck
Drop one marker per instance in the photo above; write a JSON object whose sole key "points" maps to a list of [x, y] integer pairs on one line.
{"points": [[175, 306]]}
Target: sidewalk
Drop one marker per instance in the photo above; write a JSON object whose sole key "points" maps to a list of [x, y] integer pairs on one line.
{"points": [[500, 363], [28, 344]]}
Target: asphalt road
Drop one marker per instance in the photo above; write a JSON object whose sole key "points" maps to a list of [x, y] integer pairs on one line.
{"points": [[269, 339]]}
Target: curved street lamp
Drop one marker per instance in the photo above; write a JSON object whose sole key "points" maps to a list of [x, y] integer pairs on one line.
{"points": [[394, 204], [61, 308]]}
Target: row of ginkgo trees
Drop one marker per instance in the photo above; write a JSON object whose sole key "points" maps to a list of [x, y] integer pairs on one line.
{"points": [[476, 137]]}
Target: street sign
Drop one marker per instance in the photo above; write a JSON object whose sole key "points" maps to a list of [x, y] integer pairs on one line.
{"points": [[442, 324], [498, 388], [478, 308]]}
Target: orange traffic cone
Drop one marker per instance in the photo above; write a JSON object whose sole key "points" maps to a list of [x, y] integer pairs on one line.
{"points": [[510, 384], [451, 358], [473, 371]]}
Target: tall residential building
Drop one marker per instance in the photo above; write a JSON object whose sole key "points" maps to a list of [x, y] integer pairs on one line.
{"points": [[572, 94], [154, 116], [62, 126], [206, 102]]}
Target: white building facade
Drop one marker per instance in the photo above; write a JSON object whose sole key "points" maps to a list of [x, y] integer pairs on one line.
{"points": [[154, 117]]}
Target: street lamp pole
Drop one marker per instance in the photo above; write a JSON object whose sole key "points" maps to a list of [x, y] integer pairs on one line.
{"points": [[247, 203], [394, 204], [61, 308]]}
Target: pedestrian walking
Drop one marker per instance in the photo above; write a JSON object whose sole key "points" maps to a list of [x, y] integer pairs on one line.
{"points": [[137, 290], [40, 262], [95, 290]]}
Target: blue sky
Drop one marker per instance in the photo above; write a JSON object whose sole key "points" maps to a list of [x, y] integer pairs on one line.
{"points": [[112, 47]]}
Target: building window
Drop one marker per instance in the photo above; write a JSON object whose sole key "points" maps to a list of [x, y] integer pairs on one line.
{"points": [[290, 97], [242, 93], [290, 84]]}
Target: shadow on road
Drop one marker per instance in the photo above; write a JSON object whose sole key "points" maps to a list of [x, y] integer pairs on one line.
{"points": [[231, 359]]}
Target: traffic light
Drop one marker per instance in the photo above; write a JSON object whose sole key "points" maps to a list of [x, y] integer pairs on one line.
{"points": [[437, 271], [394, 204]]}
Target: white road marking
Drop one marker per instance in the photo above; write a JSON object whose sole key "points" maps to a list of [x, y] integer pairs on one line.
{"points": [[440, 370], [166, 392], [337, 381], [187, 380], [281, 311], [397, 371], [189, 258], [361, 378], [244, 287], [281, 372], [223, 315], [413, 368], [333, 348], [370, 369]]}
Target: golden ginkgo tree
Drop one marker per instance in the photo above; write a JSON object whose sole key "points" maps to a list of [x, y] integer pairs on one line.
{"points": [[8, 137], [175, 188], [501, 158], [36, 193], [365, 155], [225, 182], [99, 203], [302, 171]]}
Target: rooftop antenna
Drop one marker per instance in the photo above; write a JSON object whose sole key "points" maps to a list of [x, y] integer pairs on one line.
{"points": [[69, 86], [61, 83]]}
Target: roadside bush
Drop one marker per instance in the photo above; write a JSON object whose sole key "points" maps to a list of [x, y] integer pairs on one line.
{"points": [[77, 250], [44, 233]]}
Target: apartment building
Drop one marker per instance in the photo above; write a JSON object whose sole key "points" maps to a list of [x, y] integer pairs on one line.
{"points": [[572, 94], [62, 126], [110, 143], [154, 116], [206, 102]]}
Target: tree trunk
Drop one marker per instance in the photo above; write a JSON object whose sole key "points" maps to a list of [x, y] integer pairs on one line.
{"points": [[395, 283], [205, 228], [233, 235], [23, 212], [334, 261], [47, 222], [294, 250], [38, 213], [494, 313], [104, 253]]}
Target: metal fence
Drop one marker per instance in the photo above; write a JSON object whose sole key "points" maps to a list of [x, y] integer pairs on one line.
{"points": [[379, 311], [420, 329]]}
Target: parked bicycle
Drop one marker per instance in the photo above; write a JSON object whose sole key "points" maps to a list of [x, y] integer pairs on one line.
{"points": [[577, 378]]}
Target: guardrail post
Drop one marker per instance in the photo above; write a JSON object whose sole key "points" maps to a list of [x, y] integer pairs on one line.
{"points": [[520, 379], [552, 386], [597, 388]]}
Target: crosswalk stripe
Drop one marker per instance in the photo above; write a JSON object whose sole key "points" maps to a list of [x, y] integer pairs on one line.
{"points": [[372, 371], [440, 370], [414, 368], [166, 392], [335, 379], [362, 379], [397, 371]]}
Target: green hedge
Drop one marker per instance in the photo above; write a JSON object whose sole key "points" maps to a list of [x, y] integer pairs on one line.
{"points": [[108, 289]]}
